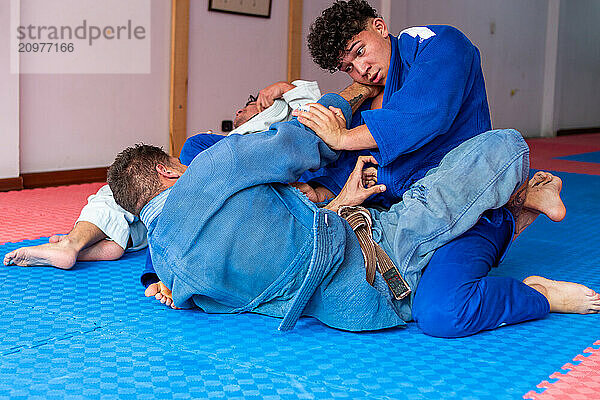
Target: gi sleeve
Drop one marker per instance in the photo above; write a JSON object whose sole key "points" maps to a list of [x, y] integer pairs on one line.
{"points": [[305, 92], [279, 155]]}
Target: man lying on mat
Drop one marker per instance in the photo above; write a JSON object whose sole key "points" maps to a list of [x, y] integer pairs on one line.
{"points": [[104, 231], [227, 236]]}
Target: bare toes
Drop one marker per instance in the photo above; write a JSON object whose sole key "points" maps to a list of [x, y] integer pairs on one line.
{"points": [[539, 178]]}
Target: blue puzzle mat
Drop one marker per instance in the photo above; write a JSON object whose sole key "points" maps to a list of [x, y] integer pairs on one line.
{"points": [[592, 157], [90, 333]]}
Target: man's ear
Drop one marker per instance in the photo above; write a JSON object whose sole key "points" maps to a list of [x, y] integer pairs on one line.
{"points": [[167, 172], [379, 26]]}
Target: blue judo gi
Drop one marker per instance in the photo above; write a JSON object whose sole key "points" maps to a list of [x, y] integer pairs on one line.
{"points": [[230, 237], [434, 99]]}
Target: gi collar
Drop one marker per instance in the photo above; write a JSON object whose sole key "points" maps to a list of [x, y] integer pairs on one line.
{"points": [[152, 210]]}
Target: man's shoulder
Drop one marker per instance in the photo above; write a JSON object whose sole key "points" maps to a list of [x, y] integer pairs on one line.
{"points": [[427, 32], [415, 39]]}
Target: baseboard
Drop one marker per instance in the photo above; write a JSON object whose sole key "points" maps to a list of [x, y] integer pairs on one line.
{"points": [[577, 131], [59, 178], [11, 184]]}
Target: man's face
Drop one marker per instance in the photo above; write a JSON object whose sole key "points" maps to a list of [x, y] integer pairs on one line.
{"points": [[367, 57], [243, 115]]}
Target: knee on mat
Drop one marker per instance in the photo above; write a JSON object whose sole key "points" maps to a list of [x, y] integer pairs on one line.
{"points": [[113, 251], [440, 323], [436, 323]]}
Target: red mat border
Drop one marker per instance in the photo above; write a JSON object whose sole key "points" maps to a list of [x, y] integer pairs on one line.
{"points": [[544, 153]]}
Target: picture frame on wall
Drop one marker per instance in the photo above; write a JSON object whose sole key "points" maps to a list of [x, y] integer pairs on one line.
{"points": [[254, 8]]}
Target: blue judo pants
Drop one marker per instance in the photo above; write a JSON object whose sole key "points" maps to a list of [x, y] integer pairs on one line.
{"points": [[455, 297]]}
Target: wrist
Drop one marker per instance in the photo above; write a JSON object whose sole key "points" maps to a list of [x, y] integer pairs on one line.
{"points": [[285, 87], [344, 140], [333, 205]]}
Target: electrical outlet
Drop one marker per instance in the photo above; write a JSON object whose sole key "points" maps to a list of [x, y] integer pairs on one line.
{"points": [[259, 8], [226, 125]]}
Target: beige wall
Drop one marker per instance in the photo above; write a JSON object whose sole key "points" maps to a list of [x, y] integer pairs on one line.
{"points": [[81, 121], [230, 57], [510, 35], [72, 121]]}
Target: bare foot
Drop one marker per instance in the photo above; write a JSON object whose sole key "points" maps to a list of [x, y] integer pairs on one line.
{"points": [[104, 250], [160, 292], [56, 238], [543, 196], [59, 255], [566, 297]]}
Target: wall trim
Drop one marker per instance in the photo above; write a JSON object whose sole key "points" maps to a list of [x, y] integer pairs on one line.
{"points": [[577, 131], [11, 184], [178, 93], [59, 178], [547, 123], [295, 40]]}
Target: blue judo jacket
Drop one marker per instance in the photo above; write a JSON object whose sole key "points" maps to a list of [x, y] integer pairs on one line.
{"points": [[232, 237], [434, 99]]}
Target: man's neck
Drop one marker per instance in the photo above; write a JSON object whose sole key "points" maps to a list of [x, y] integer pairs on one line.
{"points": [[154, 207]]}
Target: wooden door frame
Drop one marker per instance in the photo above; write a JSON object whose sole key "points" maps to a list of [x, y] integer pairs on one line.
{"points": [[178, 94]]}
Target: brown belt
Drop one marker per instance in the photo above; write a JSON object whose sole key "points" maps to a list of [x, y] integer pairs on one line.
{"points": [[359, 219]]}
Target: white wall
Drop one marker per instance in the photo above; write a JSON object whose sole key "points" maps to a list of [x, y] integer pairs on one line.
{"points": [[230, 57], [9, 102], [512, 56], [310, 71], [578, 69], [83, 120]]}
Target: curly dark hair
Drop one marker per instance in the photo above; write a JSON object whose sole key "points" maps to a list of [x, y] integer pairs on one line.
{"points": [[333, 29], [132, 177]]}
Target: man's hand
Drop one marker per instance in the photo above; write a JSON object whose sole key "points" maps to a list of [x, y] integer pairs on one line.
{"points": [[267, 96], [160, 292], [317, 194], [361, 184], [328, 123]]}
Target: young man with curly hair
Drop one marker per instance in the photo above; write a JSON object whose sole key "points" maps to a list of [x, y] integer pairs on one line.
{"points": [[433, 93], [433, 100]]}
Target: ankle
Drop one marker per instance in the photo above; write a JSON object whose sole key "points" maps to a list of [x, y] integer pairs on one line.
{"points": [[533, 283], [72, 243]]}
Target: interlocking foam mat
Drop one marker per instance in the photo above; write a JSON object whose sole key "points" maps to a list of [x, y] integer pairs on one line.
{"points": [[90, 333], [592, 157], [32, 213], [573, 153]]}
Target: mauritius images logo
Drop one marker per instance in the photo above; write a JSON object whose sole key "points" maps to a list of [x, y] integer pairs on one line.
{"points": [[80, 36]]}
